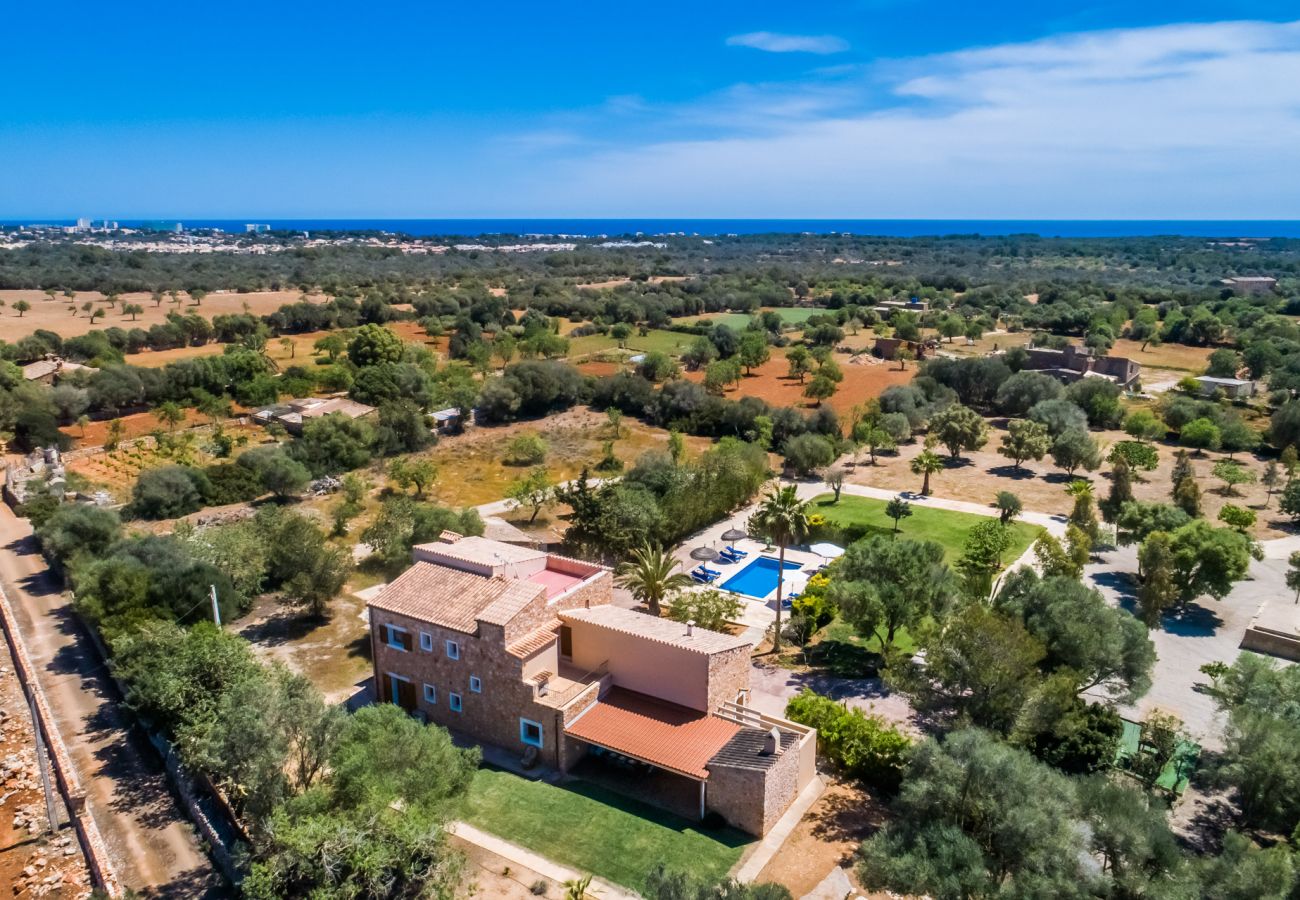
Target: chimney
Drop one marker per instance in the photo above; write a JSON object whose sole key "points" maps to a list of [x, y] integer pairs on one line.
{"points": [[690, 627], [772, 743]]}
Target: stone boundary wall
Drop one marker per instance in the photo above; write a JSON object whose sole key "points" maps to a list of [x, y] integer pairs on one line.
{"points": [[65, 773]]}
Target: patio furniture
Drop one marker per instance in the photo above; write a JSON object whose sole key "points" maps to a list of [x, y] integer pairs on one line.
{"points": [[700, 577], [731, 556], [739, 554], [827, 550]]}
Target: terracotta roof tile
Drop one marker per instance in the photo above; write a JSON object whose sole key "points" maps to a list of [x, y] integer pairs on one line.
{"points": [[663, 631], [663, 734], [451, 598], [535, 640]]}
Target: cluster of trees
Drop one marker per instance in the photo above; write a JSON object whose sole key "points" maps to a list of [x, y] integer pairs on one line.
{"points": [[661, 499], [335, 805]]}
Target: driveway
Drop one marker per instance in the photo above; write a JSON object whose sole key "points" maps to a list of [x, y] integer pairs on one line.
{"points": [[1208, 631], [771, 687], [152, 843]]}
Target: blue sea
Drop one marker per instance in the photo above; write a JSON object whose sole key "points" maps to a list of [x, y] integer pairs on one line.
{"points": [[1067, 228]]}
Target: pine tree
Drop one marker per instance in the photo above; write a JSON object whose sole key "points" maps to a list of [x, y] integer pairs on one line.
{"points": [[1182, 468]]}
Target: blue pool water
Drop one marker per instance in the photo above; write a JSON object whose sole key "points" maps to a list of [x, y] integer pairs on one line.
{"points": [[758, 579]]}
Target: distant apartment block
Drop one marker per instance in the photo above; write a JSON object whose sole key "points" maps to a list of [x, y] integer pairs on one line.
{"points": [[1074, 363], [1250, 284], [520, 649], [294, 414]]}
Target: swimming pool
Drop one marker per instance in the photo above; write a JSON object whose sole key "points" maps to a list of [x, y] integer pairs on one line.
{"points": [[758, 579]]}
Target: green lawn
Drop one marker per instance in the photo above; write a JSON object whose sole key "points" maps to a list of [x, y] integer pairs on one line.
{"points": [[795, 315], [669, 342], [595, 830], [865, 516]]}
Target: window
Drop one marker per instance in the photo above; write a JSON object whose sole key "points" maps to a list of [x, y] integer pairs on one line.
{"points": [[453, 650], [398, 638], [453, 701], [475, 684], [530, 732], [430, 694], [426, 642]]}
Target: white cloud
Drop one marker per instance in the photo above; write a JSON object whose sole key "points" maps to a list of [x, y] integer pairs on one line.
{"points": [[1195, 121], [789, 43]]}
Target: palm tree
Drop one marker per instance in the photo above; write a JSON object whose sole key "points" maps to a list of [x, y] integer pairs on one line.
{"points": [[926, 464], [650, 577], [783, 519]]}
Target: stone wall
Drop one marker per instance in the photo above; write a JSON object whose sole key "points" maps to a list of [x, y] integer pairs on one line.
{"points": [[729, 677], [599, 591], [491, 715], [753, 800]]}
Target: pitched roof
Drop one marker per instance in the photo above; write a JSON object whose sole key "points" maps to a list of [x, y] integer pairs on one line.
{"points": [[535, 640], [663, 631], [454, 599], [745, 750], [663, 734]]}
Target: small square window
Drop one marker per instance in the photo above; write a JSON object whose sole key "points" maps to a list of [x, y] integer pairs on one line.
{"points": [[426, 642], [430, 694], [530, 732], [475, 684], [453, 650], [453, 701], [398, 638]]}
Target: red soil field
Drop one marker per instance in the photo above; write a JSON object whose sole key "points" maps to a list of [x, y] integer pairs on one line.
{"points": [[862, 381]]}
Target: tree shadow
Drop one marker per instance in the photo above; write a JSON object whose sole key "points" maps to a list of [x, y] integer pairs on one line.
{"points": [[1191, 620], [195, 884], [283, 627], [1059, 478], [1012, 472], [359, 646], [848, 816], [1123, 584]]}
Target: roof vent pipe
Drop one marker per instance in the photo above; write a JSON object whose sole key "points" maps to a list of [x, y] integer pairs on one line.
{"points": [[690, 627], [772, 743]]}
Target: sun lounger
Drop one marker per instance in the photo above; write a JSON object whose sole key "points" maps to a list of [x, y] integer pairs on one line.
{"points": [[700, 577], [740, 554], [728, 556]]}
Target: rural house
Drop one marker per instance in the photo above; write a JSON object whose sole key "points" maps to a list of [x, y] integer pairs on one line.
{"points": [[1074, 363], [520, 649]]}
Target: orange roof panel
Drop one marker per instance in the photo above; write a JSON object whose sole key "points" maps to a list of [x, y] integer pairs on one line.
{"points": [[664, 734]]}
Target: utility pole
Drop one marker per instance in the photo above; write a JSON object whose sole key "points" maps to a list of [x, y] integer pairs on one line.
{"points": [[216, 610]]}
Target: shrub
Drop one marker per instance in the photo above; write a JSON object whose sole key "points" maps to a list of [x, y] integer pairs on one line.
{"points": [[711, 610], [860, 745], [168, 491], [525, 450]]}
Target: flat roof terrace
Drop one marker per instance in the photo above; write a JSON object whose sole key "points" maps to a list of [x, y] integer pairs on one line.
{"points": [[556, 583]]}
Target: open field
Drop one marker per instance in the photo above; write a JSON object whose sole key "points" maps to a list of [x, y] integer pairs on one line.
{"points": [[1167, 356], [862, 381], [656, 340], [298, 352], [471, 473], [942, 526], [54, 315], [596, 830], [980, 474], [795, 315]]}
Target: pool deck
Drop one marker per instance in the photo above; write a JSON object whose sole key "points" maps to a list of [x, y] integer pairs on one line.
{"points": [[756, 614]]}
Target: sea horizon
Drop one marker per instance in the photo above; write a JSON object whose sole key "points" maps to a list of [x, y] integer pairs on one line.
{"points": [[653, 227]]}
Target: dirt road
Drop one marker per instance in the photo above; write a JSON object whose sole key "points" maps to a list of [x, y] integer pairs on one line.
{"points": [[154, 848]]}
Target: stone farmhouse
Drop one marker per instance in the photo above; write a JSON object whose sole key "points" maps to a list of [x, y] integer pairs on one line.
{"points": [[521, 650], [1074, 363], [295, 414]]}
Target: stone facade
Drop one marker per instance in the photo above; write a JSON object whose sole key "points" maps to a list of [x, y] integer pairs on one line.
{"points": [[753, 799]]}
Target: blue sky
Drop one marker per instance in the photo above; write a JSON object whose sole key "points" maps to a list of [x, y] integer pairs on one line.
{"points": [[867, 109]]}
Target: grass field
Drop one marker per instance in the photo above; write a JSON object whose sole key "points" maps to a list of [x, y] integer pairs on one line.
{"points": [[794, 315], [942, 526], [595, 830], [670, 342]]}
